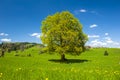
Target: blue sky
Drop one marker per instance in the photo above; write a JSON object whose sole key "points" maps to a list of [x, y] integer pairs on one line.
{"points": [[20, 20]]}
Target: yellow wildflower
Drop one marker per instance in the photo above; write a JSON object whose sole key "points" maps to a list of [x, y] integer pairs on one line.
{"points": [[46, 79], [1, 73], [106, 71], [75, 71], [19, 68], [116, 72]]}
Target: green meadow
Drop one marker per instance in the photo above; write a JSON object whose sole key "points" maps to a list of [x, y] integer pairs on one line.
{"points": [[90, 65]]}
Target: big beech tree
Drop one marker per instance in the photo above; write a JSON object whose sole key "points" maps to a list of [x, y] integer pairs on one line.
{"points": [[62, 33]]}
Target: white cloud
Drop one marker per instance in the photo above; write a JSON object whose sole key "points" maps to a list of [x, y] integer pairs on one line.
{"points": [[37, 35], [104, 42], [83, 10], [96, 43], [3, 34], [93, 25], [93, 36], [88, 11], [106, 34], [6, 40], [34, 34], [108, 40]]}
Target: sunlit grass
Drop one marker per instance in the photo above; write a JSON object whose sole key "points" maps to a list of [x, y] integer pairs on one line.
{"points": [[37, 67]]}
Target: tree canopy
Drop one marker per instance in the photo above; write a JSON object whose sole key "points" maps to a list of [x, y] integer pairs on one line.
{"points": [[62, 32]]}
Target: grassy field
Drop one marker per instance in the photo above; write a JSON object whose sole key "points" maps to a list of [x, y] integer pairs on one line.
{"points": [[90, 65]]}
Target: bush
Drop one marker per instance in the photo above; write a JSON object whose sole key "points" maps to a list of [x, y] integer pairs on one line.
{"points": [[105, 53], [16, 55], [29, 55]]}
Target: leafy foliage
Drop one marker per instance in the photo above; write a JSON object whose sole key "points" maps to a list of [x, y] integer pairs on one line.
{"points": [[62, 33]]}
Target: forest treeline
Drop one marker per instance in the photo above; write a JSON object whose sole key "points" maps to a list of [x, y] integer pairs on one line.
{"points": [[8, 47]]}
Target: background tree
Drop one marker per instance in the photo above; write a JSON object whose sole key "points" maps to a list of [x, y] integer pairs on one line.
{"points": [[62, 32]]}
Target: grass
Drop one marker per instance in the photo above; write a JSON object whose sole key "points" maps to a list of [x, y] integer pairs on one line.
{"points": [[90, 65]]}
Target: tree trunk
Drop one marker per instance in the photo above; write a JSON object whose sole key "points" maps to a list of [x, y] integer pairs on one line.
{"points": [[2, 54], [83, 48], [63, 57]]}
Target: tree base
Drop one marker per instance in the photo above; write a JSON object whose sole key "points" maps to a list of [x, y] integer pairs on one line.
{"points": [[63, 57]]}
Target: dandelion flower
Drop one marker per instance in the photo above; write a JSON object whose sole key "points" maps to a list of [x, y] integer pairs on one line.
{"points": [[46, 79], [106, 71], [1, 73], [16, 69]]}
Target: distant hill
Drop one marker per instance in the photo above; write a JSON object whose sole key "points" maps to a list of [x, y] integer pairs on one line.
{"points": [[8, 47]]}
